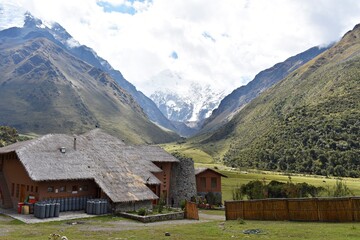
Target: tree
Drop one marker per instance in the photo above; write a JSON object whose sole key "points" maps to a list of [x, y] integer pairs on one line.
{"points": [[8, 135]]}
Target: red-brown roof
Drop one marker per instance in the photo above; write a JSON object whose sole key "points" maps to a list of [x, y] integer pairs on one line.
{"points": [[201, 170]]}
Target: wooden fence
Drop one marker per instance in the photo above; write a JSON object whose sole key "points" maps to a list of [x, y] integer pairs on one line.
{"points": [[191, 211], [296, 209]]}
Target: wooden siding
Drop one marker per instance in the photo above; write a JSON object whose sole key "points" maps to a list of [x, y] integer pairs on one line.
{"points": [[164, 178], [208, 175], [20, 185]]}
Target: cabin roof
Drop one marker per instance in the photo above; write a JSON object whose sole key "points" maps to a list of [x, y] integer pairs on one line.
{"points": [[201, 170], [122, 171]]}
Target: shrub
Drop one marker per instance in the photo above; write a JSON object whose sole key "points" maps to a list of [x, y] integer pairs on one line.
{"points": [[182, 204], [237, 194], [258, 189], [341, 189], [142, 212]]}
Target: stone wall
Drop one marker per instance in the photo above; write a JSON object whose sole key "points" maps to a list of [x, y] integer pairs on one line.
{"points": [[154, 218], [131, 206], [183, 183]]}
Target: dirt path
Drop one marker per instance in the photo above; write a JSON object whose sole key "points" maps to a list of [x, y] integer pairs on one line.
{"points": [[204, 216]]}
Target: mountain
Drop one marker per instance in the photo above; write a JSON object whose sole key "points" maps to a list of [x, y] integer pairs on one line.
{"points": [[187, 105], [308, 122], [12, 16], [241, 96], [46, 88], [88, 55]]}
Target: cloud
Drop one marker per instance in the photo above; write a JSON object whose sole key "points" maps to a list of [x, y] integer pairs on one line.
{"points": [[223, 43]]}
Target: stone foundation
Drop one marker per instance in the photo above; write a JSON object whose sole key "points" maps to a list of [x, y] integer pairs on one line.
{"points": [[131, 206], [154, 218]]}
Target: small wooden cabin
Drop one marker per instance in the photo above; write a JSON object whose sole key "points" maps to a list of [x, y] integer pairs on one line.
{"points": [[208, 181], [94, 164]]}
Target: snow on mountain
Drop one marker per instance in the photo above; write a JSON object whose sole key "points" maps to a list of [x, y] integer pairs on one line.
{"points": [[182, 100]]}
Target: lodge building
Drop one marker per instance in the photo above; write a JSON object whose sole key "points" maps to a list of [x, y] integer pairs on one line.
{"points": [[94, 164]]}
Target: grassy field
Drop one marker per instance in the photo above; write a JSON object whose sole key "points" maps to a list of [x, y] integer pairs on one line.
{"points": [[237, 177], [196, 154], [117, 228]]}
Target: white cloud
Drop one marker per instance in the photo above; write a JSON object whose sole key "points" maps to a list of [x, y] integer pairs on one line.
{"points": [[220, 42]]}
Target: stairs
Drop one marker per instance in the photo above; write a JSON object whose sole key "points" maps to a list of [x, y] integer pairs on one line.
{"points": [[6, 203]]}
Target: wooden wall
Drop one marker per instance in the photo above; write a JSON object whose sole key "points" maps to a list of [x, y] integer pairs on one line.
{"points": [[207, 175], [20, 185]]}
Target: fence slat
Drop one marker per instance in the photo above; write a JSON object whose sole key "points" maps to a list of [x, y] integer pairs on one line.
{"points": [[296, 209], [191, 211]]}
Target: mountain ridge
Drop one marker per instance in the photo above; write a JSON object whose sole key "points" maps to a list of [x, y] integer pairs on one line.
{"points": [[40, 75], [55, 32], [307, 123], [241, 96]]}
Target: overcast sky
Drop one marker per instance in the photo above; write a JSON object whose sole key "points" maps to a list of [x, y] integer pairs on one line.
{"points": [[220, 42]]}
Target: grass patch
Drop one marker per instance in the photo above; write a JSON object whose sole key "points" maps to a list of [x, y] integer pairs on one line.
{"points": [[196, 154], [109, 228]]}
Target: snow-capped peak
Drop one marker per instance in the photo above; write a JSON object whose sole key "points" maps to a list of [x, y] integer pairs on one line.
{"points": [[186, 101]]}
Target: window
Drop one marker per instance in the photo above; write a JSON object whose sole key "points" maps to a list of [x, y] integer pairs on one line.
{"points": [[203, 182], [17, 190], [27, 187], [50, 189], [12, 189], [32, 188], [74, 188], [62, 189], [84, 188], [36, 189], [213, 182]]}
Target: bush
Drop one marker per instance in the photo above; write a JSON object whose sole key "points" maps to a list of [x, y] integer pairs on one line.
{"points": [[341, 189], [259, 190], [182, 204], [237, 194], [142, 212]]}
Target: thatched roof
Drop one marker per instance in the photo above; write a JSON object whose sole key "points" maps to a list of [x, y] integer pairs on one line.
{"points": [[120, 170], [201, 170]]}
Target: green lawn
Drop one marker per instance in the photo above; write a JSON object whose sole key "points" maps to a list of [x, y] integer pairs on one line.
{"points": [[114, 228]]}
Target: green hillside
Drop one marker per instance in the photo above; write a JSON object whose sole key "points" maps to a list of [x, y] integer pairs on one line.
{"points": [[309, 122], [44, 89]]}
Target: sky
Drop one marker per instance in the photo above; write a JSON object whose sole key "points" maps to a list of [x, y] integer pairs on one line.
{"points": [[222, 43]]}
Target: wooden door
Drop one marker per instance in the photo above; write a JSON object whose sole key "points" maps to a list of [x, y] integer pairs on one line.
{"points": [[22, 193]]}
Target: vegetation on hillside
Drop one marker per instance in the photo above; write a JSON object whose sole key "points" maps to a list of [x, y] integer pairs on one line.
{"points": [[307, 123], [9, 135], [321, 138]]}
